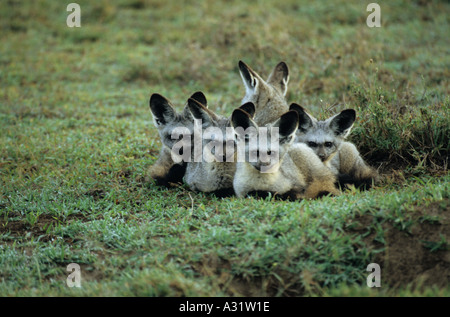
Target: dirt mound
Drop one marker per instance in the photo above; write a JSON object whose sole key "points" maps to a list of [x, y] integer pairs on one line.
{"points": [[417, 255]]}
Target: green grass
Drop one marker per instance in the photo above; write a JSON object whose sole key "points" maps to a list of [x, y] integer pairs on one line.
{"points": [[76, 141]]}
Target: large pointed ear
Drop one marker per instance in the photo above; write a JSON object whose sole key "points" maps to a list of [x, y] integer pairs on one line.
{"points": [[162, 110], [342, 123], [250, 78], [250, 108], [240, 121], [279, 77], [288, 125], [305, 121], [200, 97], [199, 111]]}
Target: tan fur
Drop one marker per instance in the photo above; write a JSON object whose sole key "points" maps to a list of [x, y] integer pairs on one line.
{"points": [[162, 165], [299, 173], [268, 96], [210, 176], [349, 161], [165, 171], [319, 179], [327, 139], [160, 171]]}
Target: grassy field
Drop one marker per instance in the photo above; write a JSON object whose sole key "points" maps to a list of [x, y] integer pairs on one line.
{"points": [[77, 139]]}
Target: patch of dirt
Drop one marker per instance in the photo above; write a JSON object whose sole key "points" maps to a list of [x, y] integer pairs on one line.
{"points": [[21, 228], [419, 256], [220, 269], [96, 193]]}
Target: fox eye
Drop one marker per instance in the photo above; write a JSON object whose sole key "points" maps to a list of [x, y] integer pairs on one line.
{"points": [[328, 144], [312, 144]]}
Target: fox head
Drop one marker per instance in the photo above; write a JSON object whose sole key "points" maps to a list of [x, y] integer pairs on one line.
{"points": [[214, 140], [268, 96], [264, 149], [166, 118], [324, 137], [215, 170], [216, 129]]}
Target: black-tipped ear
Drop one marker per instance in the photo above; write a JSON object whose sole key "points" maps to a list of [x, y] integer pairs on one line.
{"points": [[161, 109], [200, 97], [342, 123], [288, 124], [250, 108], [279, 77], [297, 108], [240, 118], [249, 77], [199, 111], [304, 120]]}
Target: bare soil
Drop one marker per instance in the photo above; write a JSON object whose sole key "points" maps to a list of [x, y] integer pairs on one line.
{"points": [[417, 256]]}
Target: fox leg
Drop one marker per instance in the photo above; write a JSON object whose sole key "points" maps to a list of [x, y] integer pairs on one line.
{"points": [[165, 171]]}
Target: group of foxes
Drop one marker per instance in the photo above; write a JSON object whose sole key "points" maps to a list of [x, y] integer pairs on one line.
{"points": [[313, 158]]}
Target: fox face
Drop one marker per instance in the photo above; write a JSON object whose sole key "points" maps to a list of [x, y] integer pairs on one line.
{"points": [[264, 149], [327, 140], [214, 172], [166, 118], [324, 137], [268, 96], [214, 132], [165, 171]]}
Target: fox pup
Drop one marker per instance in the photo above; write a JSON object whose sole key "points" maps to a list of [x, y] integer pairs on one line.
{"points": [[216, 173], [268, 96], [295, 173], [327, 139], [165, 171]]}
